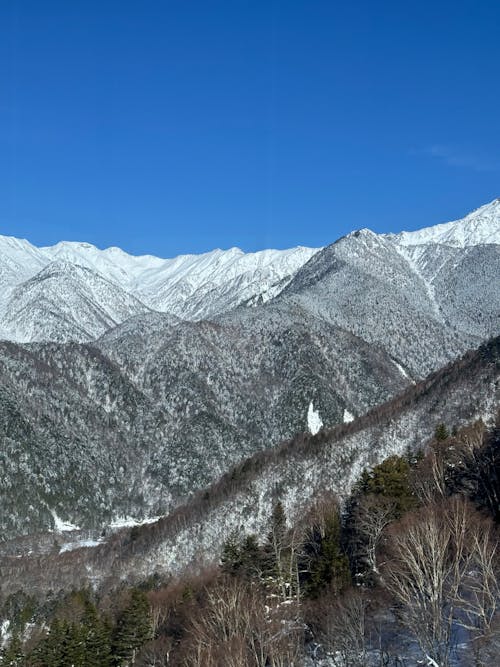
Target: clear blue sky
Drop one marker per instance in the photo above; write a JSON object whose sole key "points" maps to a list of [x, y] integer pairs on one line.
{"points": [[183, 125]]}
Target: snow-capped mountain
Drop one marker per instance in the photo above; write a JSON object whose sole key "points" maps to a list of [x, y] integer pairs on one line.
{"points": [[480, 227], [189, 286], [196, 287], [66, 301], [424, 303], [154, 406]]}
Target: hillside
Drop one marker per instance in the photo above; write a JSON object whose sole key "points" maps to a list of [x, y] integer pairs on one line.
{"points": [[296, 472]]}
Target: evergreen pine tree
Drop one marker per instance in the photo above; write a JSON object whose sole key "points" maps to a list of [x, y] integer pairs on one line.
{"points": [[231, 554], [390, 479], [97, 638], [13, 655], [132, 630], [275, 552], [441, 432], [328, 565]]}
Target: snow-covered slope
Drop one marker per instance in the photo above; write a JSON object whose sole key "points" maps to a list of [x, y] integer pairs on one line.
{"points": [[196, 287], [65, 301], [157, 408], [479, 227], [189, 286], [297, 473], [424, 296]]}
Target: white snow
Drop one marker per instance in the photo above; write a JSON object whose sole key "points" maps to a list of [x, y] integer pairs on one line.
{"points": [[479, 227], [314, 421], [402, 371], [79, 544], [4, 632], [348, 416], [129, 522], [56, 280], [121, 285], [61, 526]]}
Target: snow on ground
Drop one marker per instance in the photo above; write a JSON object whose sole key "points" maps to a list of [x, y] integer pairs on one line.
{"points": [[79, 544], [129, 522], [314, 421], [348, 416], [61, 526], [403, 372], [4, 632]]}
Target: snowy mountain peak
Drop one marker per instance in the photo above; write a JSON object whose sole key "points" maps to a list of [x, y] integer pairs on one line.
{"points": [[57, 280], [482, 226]]}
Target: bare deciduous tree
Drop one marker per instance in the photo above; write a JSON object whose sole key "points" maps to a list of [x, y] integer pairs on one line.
{"points": [[373, 514], [237, 628], [441, 572], [343, 630]]}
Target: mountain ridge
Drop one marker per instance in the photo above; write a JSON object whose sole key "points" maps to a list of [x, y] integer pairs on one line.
{"points": [[197, 287], [295, 472]]}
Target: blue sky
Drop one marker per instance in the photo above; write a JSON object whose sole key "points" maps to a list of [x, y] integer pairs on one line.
{"points": [[180, 126]]}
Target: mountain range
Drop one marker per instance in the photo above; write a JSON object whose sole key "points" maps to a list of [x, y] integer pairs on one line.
{"points": [[76, 292], [129, 383], [297, 472]]}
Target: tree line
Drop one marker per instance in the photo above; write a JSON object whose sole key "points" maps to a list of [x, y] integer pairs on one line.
{"points": [[406, 570]]}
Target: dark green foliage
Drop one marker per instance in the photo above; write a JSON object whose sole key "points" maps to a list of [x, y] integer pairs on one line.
{"points": [[278, 524], [275, 547], [383, 491], [390, 479], [80, 644], [96, 637], [324, 565], [19, 609], [231, 554], [242, 557], [13, 655], [51, 652], [441, 432], [132, 630]]}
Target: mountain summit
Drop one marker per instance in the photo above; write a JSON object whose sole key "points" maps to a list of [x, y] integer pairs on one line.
{"points": [[116, 286], [482, 226]]}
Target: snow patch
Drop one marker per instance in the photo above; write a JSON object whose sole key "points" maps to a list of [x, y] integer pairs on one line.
{"points": [[314, 421], [79, 544], [4, 632], [402, 371], [130, 522], [348, 416], [61, 526]]}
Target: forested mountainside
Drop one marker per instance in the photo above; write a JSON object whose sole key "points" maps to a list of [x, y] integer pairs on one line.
{"points": [[196, 433], [295, 473], [159, 408], [168, 405], [425, 304], [312, 582]]}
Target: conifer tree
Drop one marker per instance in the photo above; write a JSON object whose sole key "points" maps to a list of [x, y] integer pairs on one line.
{"points": [[133, 629], [276, 551], [327, 564], [390, 479], [13, 655], [231, 554], [441, 432], [97, 638]]}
